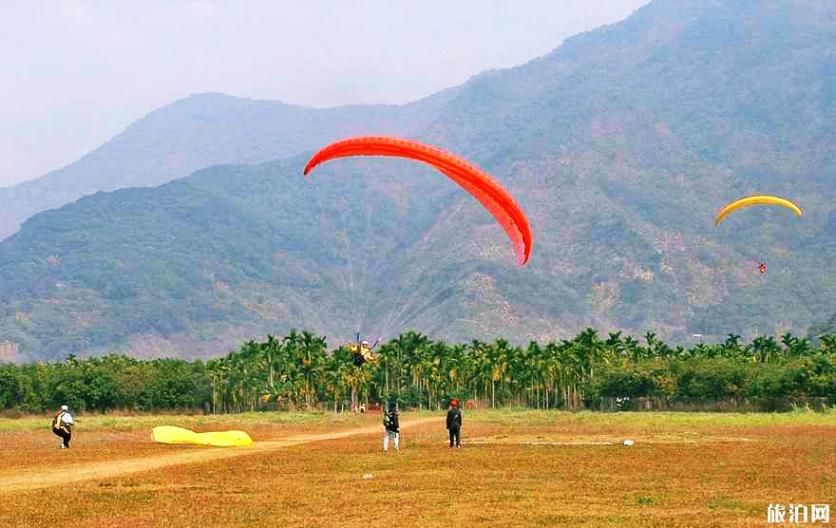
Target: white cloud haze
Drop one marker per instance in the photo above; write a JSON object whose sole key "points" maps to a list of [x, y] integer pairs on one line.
{"points": [[74, 73]]}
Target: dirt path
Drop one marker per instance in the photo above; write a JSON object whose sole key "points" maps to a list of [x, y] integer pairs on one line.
{"points": [[41, 478]]}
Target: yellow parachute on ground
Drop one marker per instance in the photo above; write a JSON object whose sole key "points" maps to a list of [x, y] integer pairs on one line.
{"points": [[167, 434], [756, 200]]}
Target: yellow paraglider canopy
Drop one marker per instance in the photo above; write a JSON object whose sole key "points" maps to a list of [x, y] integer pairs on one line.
{"points": [[362, 350], [756, 200], [167, 434]]}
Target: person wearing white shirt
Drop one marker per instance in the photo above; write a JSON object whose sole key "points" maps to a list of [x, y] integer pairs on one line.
{"points": [[62, 426]]}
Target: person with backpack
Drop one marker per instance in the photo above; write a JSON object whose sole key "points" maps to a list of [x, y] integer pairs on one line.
{"points": [[454, 423], [62, 426], [392, 427]]}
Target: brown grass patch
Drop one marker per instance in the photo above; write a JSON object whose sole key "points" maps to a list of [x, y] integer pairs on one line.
{"points": [[706, 477]]}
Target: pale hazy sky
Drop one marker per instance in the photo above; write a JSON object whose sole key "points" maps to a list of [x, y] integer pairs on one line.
{"points": [[75, 73]]}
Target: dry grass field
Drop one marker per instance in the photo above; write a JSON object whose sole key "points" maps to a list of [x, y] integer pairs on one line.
{"points": [[517, 468]]}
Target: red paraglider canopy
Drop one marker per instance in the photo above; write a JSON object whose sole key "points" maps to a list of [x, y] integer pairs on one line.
{"points": [[478, 183]]}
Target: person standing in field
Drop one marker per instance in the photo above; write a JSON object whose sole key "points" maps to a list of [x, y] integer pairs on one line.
{"points": [[454, 423], [62, 426], [392, 426]]}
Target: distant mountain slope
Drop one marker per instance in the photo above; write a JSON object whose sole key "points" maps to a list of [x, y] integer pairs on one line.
{"points": [[620, 145], [199, 131], [826, 327]]}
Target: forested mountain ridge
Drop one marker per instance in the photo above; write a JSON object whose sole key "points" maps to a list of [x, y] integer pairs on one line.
{"points": [[199, 131], [620, 145]]}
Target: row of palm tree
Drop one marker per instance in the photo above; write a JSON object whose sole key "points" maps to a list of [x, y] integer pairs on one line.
{"points": [[298, 371]]}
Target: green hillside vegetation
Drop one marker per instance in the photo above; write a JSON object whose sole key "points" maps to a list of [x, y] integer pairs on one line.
{"points": [[199, 131], [824, 328], [621, 145], [298, 372]]}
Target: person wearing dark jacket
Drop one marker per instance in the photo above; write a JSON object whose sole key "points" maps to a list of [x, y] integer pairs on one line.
{"points": [[454, 423], [392, 426]]}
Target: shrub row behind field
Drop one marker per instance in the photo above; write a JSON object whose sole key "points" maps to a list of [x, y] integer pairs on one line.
{"points": [[298, 372]]}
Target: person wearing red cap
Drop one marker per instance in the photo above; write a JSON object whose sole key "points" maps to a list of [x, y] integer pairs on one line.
{"points": [[454, 423]]}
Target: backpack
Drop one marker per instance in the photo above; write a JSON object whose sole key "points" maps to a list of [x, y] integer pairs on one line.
{"points": [[390, 421], [57, 423]]}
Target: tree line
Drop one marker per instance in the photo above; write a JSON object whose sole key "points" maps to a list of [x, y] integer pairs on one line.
{"points": [[299, 372]]}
